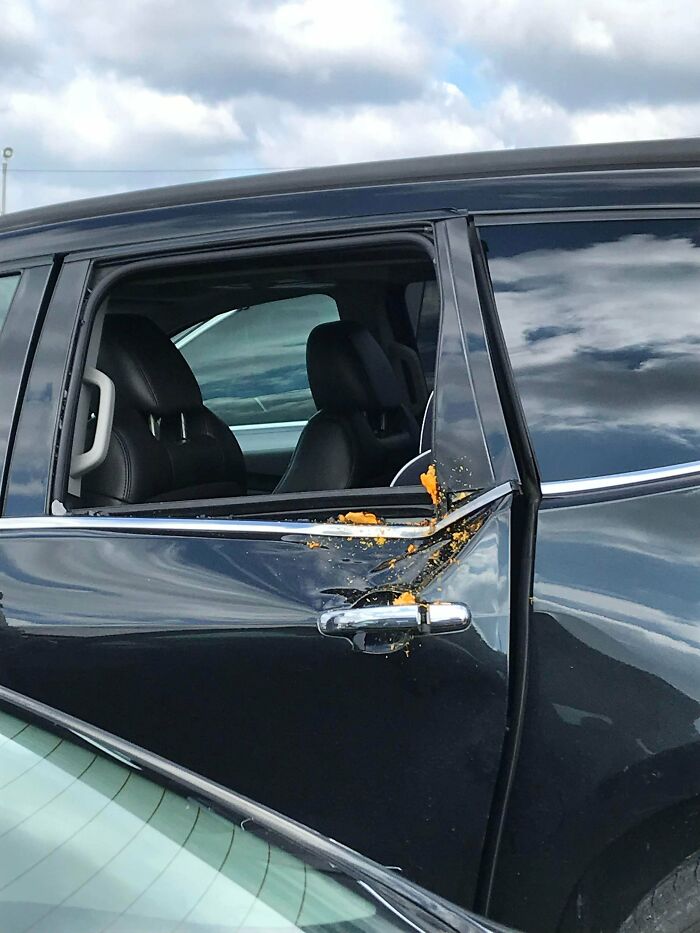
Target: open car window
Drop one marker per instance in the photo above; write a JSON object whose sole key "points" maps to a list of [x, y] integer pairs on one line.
{"points": [[214, 381]]}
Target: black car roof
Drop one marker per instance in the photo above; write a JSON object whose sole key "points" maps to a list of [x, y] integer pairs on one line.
{"points": [[655, 154]]}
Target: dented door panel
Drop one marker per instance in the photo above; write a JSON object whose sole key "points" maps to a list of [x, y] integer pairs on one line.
{"points": [[206, 649]]}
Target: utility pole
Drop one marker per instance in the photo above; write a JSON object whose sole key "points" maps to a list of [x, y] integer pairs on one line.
{"points": [[6, 156]]}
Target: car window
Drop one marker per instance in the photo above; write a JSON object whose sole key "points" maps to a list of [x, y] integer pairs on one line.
{"points": [[223, 408], [8, 287], [90, 843], [250, 363], [602, 324], [423, 305]]}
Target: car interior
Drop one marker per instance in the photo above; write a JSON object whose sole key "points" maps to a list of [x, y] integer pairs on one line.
{"points": [[277, 374]]}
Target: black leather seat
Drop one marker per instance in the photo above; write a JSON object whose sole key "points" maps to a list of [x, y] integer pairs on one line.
{"points": [[362, 432], [165, 443]]}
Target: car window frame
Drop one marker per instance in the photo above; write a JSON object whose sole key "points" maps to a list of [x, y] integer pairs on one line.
{"points": [[16, 274], [631, 482], [18, 338], [101, 277], [32, 502], [104, 274]]}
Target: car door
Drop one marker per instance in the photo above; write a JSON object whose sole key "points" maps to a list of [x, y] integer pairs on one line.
{"points": [[601, 323], [268, 653]]}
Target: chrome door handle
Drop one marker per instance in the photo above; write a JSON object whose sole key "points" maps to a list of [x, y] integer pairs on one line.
{"points": [[385, 629]]}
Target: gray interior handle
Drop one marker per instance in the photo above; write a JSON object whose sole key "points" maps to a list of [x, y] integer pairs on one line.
{"points": [[92, 458]]}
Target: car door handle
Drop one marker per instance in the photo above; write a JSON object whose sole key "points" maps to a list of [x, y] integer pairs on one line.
{"points": [[381, 629]]}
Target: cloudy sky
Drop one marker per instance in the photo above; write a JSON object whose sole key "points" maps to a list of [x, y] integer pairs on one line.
{"points": [[101, 96]]}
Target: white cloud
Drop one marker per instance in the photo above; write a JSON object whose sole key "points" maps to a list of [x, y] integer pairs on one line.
{"points": [[170, 85], [302, 50], [584, 52], [91, 119], [636, 122], [18, 35], [442, 120]]}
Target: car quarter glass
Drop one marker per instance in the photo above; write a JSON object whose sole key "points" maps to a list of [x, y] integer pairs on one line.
{"points": [[602, 324], [8, 287]]}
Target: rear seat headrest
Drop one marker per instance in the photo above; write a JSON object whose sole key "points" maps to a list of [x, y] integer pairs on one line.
{"points": [[148, 370], [348, 370]]}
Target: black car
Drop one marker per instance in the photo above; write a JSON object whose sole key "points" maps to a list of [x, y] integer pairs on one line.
{"points": [[97, 834], [373, 492]]}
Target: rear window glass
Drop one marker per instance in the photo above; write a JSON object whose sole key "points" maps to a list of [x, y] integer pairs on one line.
{"points": [[602, 323], [8, 287], [423, 305], [250, 363]]}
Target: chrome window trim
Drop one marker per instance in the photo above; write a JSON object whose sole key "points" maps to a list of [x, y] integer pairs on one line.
{"points": [[619, 480], [255, 527], [585, 214], [265, 425]]}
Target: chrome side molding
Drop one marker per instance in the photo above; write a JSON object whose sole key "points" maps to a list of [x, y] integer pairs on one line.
{"points": [[253, 527], [619, 480]]}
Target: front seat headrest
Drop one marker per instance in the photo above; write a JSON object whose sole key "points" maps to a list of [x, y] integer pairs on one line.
{"points": [[361, 432], [348, 370], [149, 370]]}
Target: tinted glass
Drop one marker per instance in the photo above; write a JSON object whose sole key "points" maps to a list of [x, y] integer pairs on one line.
{"points": [[251, 363], [8, 287], [602, 322], [89, 844], [423, 304]]}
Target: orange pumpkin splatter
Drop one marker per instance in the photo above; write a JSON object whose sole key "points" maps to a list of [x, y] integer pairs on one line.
{"points": [[405, 599], [359, 518], [429, 483]]}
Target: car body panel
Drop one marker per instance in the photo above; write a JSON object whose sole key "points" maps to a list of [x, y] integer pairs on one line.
{"points": [[206, 650], [260, 216], [611, 720]]}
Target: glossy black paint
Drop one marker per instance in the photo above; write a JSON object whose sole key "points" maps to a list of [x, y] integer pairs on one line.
{"points": [[32, 460], [206, 650], [261, 215], [600, 322], [612, 720], [461, 455]]}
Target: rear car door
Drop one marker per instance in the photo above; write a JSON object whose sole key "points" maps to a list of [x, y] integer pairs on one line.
{"points": [[600, 317], [355, 677]]}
